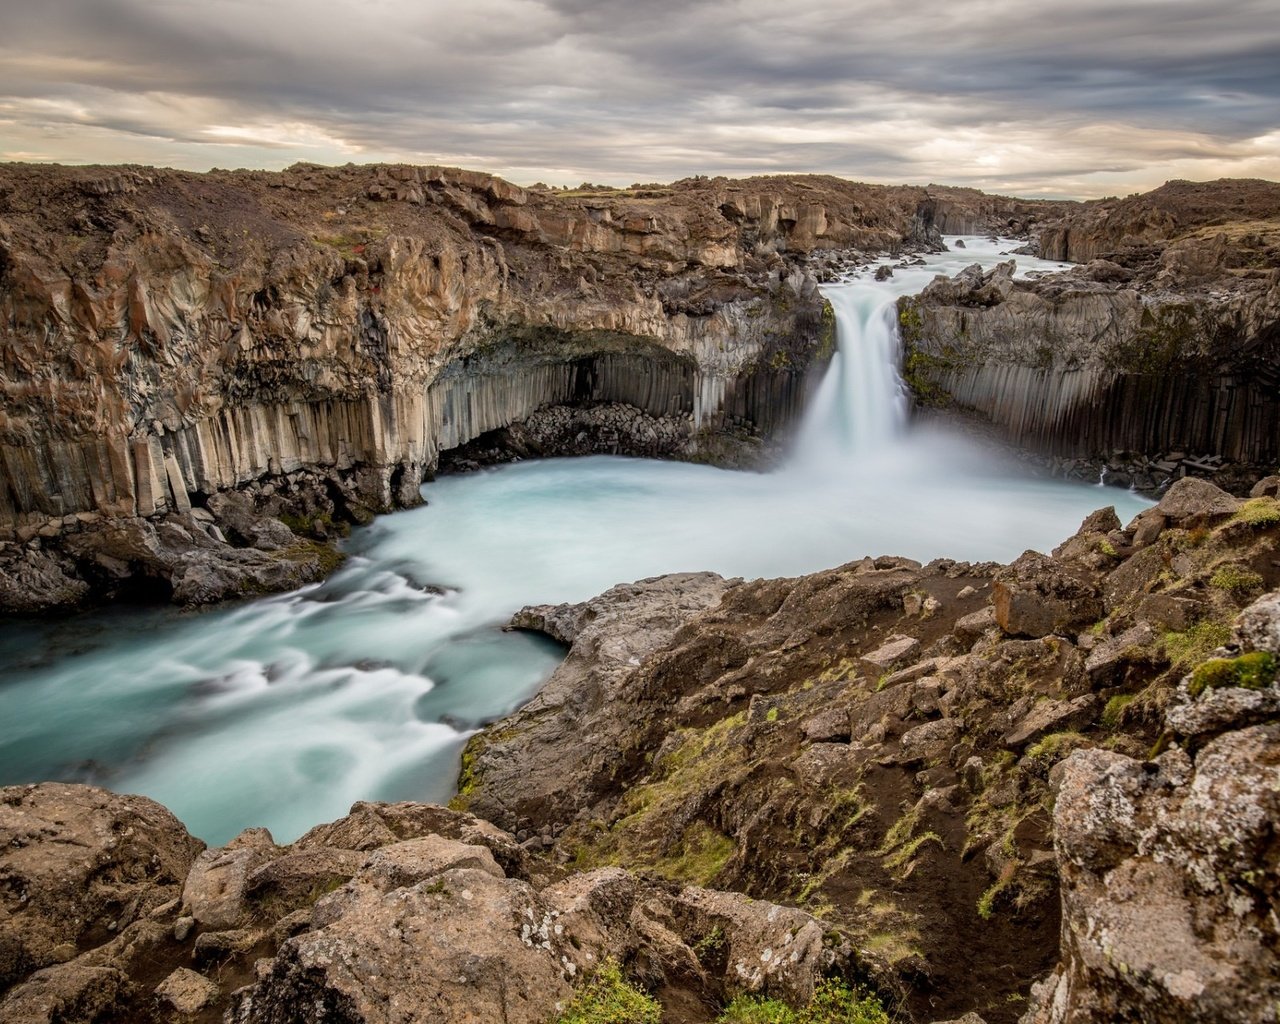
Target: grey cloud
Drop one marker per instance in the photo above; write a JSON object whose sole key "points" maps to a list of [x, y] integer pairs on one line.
{"points": [[626, 90]]}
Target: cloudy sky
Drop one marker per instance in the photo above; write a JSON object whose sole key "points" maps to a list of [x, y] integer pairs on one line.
{"points": [[1086, 98]]}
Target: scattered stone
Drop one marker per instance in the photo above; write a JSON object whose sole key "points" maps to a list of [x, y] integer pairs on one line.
{"points": [[1171, 611], [1036, 596], [827, 726], [1267, 487], [1191, 500], [969, 627], [1051, 716], [1108, 657], [215, 889], [930, 740], [895, 650], [213, 948], [185, 991]]}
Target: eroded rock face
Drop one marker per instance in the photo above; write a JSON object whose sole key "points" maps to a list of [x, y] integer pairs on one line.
{"points": [[1151, 360], [1037, 596], [254, 351], [610, 634], [78, 864], [1169, 878]]}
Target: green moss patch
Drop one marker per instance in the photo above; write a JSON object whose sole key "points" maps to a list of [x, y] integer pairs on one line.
{"points": [[1250, 671], [833, 1003], [1259, 513], [1186, 648], [1235, 579]]}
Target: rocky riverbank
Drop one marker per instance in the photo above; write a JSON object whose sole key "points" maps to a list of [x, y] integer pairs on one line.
{"points": [[1045, 790]]}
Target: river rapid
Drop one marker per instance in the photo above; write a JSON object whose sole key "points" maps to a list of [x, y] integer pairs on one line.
{"points": [[283, 711]]}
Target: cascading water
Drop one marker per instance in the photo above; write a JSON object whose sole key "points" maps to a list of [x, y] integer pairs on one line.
{"points": [[861, 403], [284, 711]]}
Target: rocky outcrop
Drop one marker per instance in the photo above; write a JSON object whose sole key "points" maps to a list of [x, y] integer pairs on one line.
{"points": [[1159, 350], [398, 912], [1169, 880], [169, 336], [78, 866], [902, 775], [609, 635], [882, 742]]}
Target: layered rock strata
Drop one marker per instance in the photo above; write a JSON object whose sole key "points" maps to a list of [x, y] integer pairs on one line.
{"points": [[169, 336], [1162, 347]]}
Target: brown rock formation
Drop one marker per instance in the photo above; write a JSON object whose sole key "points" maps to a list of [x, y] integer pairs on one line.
{"points": [[923, 788], [774, 742], [1165, 341], [168, 336], [1168, 866]]}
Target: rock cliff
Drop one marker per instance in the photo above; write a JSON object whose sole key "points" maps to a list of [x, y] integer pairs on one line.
{"points": [[1160, 349], [325, 333]]}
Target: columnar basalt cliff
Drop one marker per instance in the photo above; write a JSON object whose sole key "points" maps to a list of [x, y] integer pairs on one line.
{"points": [[330, 331], [1046, 791], [1166, 340]]}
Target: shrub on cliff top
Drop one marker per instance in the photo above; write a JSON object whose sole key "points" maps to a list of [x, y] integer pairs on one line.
{"points": [[833, 1003], [608, 998]]}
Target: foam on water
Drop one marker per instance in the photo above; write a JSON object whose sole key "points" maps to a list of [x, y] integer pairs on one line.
{"points": [[284, 711]]}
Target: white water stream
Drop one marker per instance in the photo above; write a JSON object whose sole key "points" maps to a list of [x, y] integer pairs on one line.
{"points": [[284, 711]]}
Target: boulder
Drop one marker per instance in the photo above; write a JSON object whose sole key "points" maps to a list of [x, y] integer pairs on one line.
{"points": [[1168, 898], [1036, 596], [215, 890], [969, 627], [186, 992], [297, 878], [929, 741], [1267, 487], [236, 515], [1191, 501], [1110, 656], [68, 994], [547, 763], [894, 651], [78, 862], [370, 826], [1051, 716], [1258, 626]]}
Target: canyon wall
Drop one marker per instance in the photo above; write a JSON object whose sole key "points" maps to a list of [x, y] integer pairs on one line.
{"points": [[167, 335], [1164, 343]]}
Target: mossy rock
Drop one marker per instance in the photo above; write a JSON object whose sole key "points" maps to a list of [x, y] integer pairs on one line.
{"points": [[1249, 671]]}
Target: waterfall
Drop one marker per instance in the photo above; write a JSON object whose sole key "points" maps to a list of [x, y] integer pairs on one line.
{"points": [[862, 402]]}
